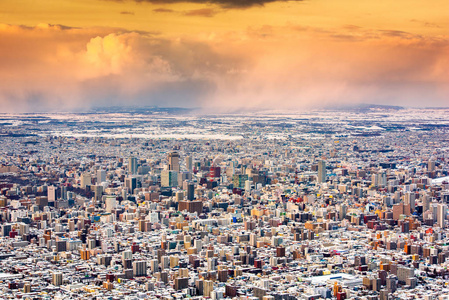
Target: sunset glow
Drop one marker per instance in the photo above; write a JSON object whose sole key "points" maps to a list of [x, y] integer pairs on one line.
{"points": [[66, 54]]}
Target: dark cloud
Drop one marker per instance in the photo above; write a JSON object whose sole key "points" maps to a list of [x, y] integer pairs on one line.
{"points": [[126, 13], [426, 24], [163, 10], [222, 3], [203, 12]]}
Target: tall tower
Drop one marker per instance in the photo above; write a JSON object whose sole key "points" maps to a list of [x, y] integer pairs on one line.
{"points": [[189, 163], [431, 165], [441, 214], [321, 171], [169, 178], [51, 193], [101, 176], [173, 161], [132, 165], [57, 278], [425, 202], [85, 180]]}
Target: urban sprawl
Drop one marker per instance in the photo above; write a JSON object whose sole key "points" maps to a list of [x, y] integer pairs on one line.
{"points": [[166, 204]]}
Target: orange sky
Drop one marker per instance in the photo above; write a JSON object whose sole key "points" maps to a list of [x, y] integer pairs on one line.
{"points": [[66, 54]]}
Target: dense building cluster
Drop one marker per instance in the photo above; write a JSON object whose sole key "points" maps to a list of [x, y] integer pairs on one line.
{"points": [[338, 214]]}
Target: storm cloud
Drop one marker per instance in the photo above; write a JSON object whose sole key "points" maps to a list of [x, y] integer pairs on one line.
{"points": [[222, 3]]}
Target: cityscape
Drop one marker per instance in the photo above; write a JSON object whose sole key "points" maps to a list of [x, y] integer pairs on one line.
{"points": [[224, 149], [171, 204]]}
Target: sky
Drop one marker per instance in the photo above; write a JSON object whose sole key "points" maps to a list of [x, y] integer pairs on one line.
{"points": [[67, 55]]}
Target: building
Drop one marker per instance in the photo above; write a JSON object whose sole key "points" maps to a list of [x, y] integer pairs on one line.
{"points": [[51, 193], [169, 178], [56, 279], [190, 188], [239, 180], [132, 165], [98, 192], [101, 176], [321, 171], [139, 268], [173, 161], [441, 214], [85, 180], [208, 287], [111, 203], [131, 184], [189, 164], [191, 206]]}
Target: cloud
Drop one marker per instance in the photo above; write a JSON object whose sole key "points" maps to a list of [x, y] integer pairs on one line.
{"points": [[426, 23], [127, 13], [202, 12], [74, 68], [222, 3], [163, 10], [295, 68], [261, 67]]}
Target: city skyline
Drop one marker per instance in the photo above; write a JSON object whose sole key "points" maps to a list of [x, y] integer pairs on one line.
{"points": [[222, 55], [163, 205]]}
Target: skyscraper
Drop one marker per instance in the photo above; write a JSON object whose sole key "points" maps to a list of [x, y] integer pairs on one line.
{"points": [[441, 214], [409, 198], [190, 188], [140, 268], [169, 178], [85, 180], [431, 165], [131, 184], [51, 193], [425, 202], [321, 171], [57, 278], [173, 161], [101, 176], [132, 165], [189, 163]]}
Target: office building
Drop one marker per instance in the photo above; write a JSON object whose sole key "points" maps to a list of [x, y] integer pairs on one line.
{"points": [[169, 178], [132, 165], [173, 161], [441, 214], [321, 171]]}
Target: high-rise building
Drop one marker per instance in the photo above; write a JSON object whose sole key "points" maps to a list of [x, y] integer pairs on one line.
{"points": [[208, 287], [173, 161], [140, 268], [64, 192], [425, 202], [51, 193], [169, 178], [183, 176], [6, 229], [179, 196], [98, 190], [131, 184], [409, 198], [431, 165], [190, 188], [85, 180], [111, 203], [342, 211], [132, 165], [189, 164], [441, 214], [321, 171], [181, 283], [57, 279], [101, 176], [239, 180]]}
